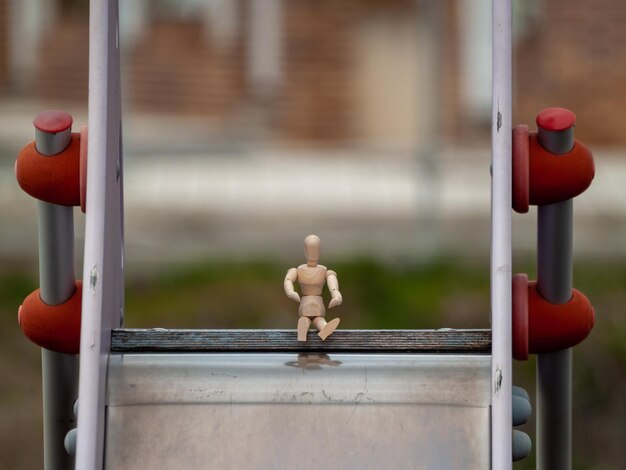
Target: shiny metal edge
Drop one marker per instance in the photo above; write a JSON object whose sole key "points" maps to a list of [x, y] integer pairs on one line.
{"points": [[306, 378]]}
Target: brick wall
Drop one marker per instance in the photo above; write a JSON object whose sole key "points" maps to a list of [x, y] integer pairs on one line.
{"points": [[314, 103], [575, 56], [63, 66], [175, 68], [317, 102]]}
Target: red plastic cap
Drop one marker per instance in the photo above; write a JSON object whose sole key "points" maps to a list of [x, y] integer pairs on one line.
{"points": [[53, 121], [542, 327], [556, 119], [556, 178], [54, 180], [54, 327]]}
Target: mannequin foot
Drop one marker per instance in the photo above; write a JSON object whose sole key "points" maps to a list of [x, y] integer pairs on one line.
{"points": [[328, 329]]}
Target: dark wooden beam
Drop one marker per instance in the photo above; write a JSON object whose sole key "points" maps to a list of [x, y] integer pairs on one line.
{"points": [[383, 341]]}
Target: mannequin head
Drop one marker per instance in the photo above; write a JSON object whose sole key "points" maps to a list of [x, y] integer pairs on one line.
{"points": [[312, 250]]}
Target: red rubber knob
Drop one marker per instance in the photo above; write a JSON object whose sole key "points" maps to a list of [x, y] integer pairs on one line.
{"points": [[54, 327], [556, 178], [556, 119], [540, 326], [52, 179], [53, 121]]}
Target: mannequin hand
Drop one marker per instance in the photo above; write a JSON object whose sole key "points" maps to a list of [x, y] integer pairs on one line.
{"points": [[336, 300], [294, 296]]}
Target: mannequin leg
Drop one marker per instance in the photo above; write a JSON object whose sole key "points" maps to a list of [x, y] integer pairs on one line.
{"points": [[325, 328], [303, 327]]}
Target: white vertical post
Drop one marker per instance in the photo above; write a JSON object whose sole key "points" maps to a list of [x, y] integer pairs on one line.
{"points": [[103, 292], [501, 413]]}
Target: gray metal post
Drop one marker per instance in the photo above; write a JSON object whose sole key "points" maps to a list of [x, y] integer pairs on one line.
{"points": [[57, 284], [554, 283]]}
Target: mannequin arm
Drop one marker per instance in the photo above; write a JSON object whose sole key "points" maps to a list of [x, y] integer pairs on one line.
{"points": [[290, 278], [333, 287]]}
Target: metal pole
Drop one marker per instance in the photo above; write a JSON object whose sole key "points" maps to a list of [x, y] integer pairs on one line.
{"points": [[57, 284], [501, 201], [103, 266], [554, 283]]}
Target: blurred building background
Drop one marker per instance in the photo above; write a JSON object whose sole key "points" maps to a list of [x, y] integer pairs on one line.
{"points": [[366, 120], [249, 124], [330, 72]]}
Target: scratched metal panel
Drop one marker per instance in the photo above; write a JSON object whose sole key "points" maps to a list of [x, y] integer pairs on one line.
{"points": [[255, 411]]}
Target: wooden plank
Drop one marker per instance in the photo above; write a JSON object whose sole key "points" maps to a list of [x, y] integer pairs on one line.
{"points": [[162, 340]]}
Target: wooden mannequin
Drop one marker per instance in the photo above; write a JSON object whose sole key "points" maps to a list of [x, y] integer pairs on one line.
{"points": [[311, 277]]}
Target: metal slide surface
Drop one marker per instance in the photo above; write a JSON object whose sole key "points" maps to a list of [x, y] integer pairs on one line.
{"points": [[307, 411]]}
